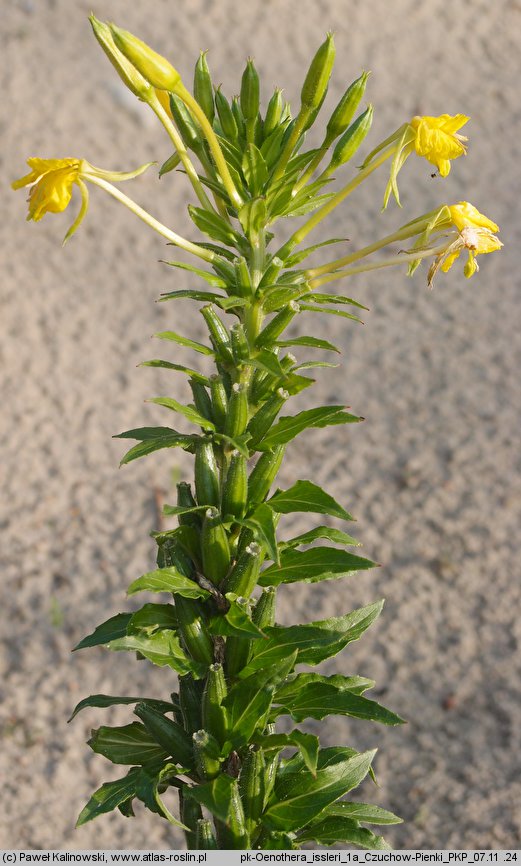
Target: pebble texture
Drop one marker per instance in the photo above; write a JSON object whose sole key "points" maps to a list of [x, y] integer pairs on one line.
{"points": [[432, 475]]}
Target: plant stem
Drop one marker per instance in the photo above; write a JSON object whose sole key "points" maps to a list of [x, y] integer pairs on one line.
{"points": [[161, 229]]}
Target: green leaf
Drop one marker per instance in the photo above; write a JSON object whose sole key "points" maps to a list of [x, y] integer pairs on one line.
{"points": [[171, 510], [103, 701], [313, 308], [307, 206], [152, 617], [310, 342], [310, 566], [145, 434], [307, 365], [305, 496], [214, 226], [291, 425], [307, 744], [205, 297], [189, 412], [248, 708], [290, 689], [254, 169], [302, 796], [269, 362], [315, 700], [210, 278], [328, 532], [167, 580], [149, 446], [161, 648], [338, 829], [314, 641], [109, 630], [262, 523], [184, 341], [362, 812], [129, 744], [320, 297], [147, 790], [216, 796], [109, 797], [168, 365], [236, 622], [300, 255]]}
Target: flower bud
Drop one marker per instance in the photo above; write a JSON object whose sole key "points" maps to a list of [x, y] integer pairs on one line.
{"points": [[153, 66], [249, 97], [345, 110], [228, 124], [126, 71], [351, 140], [273, 113], [203, 90], [317, 79]]}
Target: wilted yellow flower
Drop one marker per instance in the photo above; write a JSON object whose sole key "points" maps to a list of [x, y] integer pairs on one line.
{"points": [[51, 182], [475, 234], [438, 140]]}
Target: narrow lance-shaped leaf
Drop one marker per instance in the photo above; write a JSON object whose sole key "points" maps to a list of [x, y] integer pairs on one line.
{"points": [[307, 497], [310, 566], [290, 426]]}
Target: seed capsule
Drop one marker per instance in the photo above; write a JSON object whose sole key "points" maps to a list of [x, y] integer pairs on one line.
{"points": [[240, 347], [214, 715], [215, 547], [201, 399], [190, 813], [239, 119], [189, 130], [252, 786], [218, 334], [243, 281], [192, 630], [233, 835], [190, 698], [235, 489], [264, 612], [203, 89], [237, 417], [317, 78], [265, 416], [207, 487], [278, 324], [351, 140], [219, 401], [263, 475], [206, 751], [204, 837], [243, 577]]}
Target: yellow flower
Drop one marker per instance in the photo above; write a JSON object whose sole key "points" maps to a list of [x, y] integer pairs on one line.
{"points": [[475, 234], [51, 182], [438, 140]]}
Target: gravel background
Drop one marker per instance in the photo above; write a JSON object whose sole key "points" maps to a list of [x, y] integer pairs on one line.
{"points": [[432, 475]]}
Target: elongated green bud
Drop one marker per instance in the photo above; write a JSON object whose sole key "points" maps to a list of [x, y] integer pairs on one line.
{"points": [[126, 71], [252, 786], [233, 835], [278, 324], [239, 341], [169, 164], [317, 79], [264, 611], [242, 579], [215, 547], [351, 140], [192, 630], [242, 277], [235, 488], [190, 814], [204, 837], [167, 733], [270, 770], [273, 113], [153, 66], [345, 110], [250, 89], [207, 487], [237, 417], [263, 475], [202, 401], [189, 130], [265, 416], [203, 89], [238, 116], [228, 124], [215, 719], [206, 752], [219, 335], [219, 401], [190, 698]]}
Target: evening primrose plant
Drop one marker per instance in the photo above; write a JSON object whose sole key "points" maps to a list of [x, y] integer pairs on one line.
{"points": [[240, 781]]}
